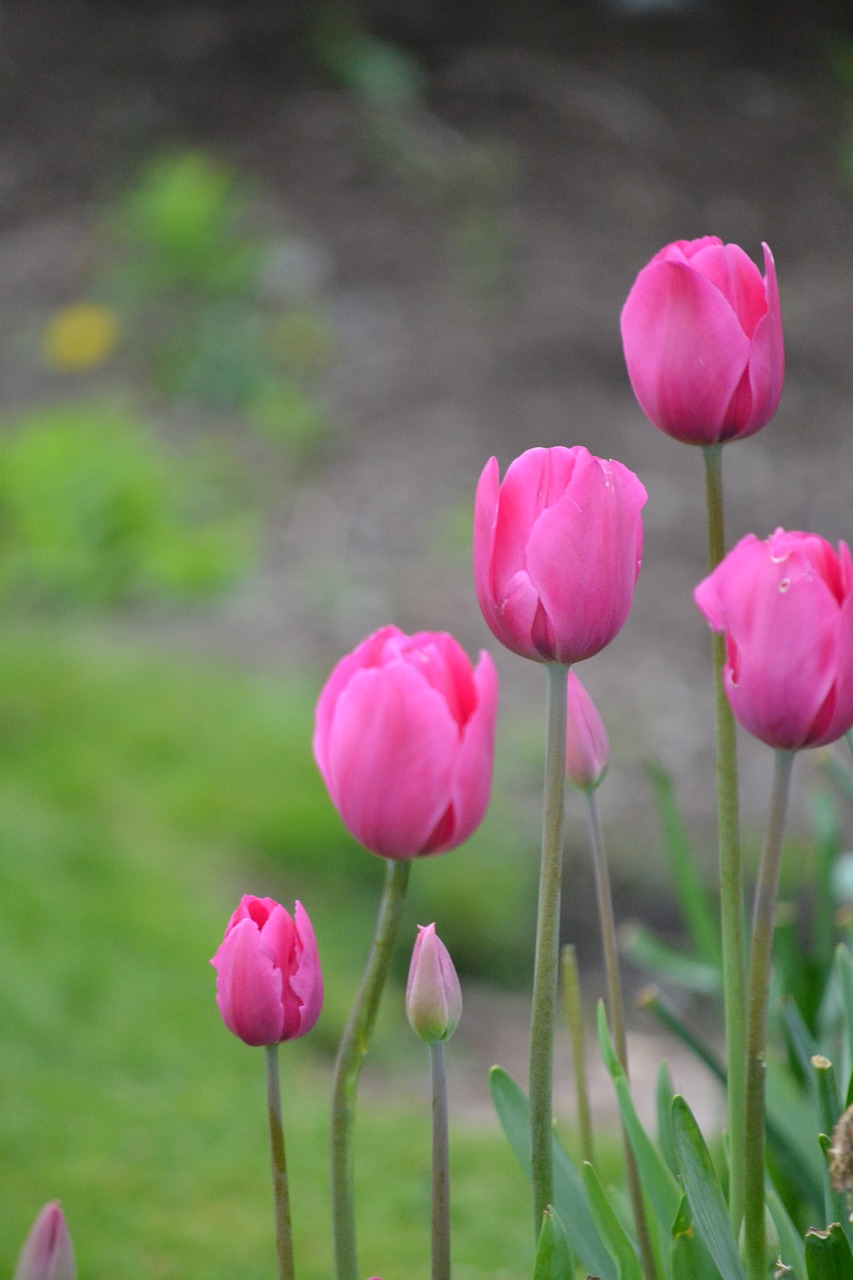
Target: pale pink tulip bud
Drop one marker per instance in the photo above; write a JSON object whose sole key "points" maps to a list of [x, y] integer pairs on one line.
{"points": [[557, 550], [433, 995], [587, 749], [269, 986], [702, 332], [47, 1252], [786, 608]]}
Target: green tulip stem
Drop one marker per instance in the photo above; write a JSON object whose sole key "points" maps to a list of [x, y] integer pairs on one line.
{"points": [[616, 1009], [440, 1166], [546, 965], [761, 949], [351, 1054], [281, 1197], [730, 864]]}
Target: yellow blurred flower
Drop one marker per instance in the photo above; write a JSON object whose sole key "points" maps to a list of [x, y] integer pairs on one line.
{"points": [[81, 336]]}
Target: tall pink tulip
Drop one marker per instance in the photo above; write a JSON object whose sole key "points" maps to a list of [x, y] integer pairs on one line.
{"points": [[557, 550], [702, 332], [786, 607], [404, 739], [47, 1253], [269, 986]]}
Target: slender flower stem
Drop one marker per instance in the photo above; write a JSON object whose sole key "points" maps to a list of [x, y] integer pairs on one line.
{"points": [[547, 946], [731, 869], [617, 1015], [440, 1166], [281, 1198], [574, 1019], [351, 1054], [759, 984]]}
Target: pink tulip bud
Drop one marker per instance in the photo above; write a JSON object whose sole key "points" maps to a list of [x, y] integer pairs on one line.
{"points": [[404, 739], [557, 550], [786, 607], [47, 1252], [702, 332], [587, 748], [269, 986], [433, 995]]}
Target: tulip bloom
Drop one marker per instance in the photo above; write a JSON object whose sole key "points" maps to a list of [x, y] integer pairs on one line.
{"points": [[786, 607], [404, 739], [47, 1252], [557, 550], [269, 986], [587, 748], [702, 332], [433, 994]]}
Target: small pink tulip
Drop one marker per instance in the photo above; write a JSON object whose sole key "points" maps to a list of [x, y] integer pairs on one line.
{"points": [[587, 748], [702, 332], [786, 607], [557, 550], [47, 1252], [404, 738], [433, 995], [269, 986]]}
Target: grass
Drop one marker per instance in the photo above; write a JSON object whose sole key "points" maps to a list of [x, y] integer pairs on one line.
{"points": [[139, 796]]}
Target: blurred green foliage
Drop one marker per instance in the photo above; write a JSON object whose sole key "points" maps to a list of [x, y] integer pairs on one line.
{"points": [[95, 511]]}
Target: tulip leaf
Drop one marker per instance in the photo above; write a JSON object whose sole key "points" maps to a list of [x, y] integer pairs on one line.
{"points": [[664, 1094], [553, 1256], [570, 1198], [704, 1195], [791, 1249], [828, 1255], [610, 1228], [699, 916], [644, 949], [690, 1259]]}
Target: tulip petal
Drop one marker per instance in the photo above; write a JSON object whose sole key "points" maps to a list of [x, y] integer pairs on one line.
{"points": [[306, 982], [366, 655], [471, 779], [443, 662], [249, 986]]}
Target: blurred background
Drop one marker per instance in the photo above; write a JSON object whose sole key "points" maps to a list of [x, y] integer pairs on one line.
{"points": [[275, 281]]}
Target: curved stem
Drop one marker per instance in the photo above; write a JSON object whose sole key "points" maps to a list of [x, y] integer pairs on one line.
{"points": [[281, 1198], [617, 1015], [731, 869], [351, 1054], [547, 946], [759, 985], [440, 1166]]}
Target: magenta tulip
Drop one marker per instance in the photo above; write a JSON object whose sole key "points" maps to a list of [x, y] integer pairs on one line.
{"points": [[557, 550], [702, 332], [404, 738], [269, 986], [786, 607], [587, 748], [47, 1252], [433, 994]]}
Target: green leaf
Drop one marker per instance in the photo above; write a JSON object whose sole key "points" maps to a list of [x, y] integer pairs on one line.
{"points": [[800, 1039], [570, 1199], [828, 1255], [690, 1259], [664, 1094], [553, 1256], [704, 1195], [699, 916], [644, 949], [791, 1249], [610, 1228]]}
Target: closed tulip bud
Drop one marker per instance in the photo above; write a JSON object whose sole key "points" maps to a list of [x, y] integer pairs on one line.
{"points": [[269, 987], [433, 995], [786, 608], [47, 1252], [404, 738], [557, 551], [702, 332], [587, 748]]}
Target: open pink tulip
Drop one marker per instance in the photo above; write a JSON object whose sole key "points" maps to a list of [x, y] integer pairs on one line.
{"points": [[587, 747], [269, 986], [702, 332], [433, 994], [404, 738], [47, 1252], [557, 550], [786, 607]]}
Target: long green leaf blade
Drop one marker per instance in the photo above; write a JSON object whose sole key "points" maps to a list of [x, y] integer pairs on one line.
{"points": [[704, 1195], [610, 1228], [828, 1255]]}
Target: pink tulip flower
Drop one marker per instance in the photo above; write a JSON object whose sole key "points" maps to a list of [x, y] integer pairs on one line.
{"points": [[702, 332], [786, 607], [557, 550], [404, 738], [269, 986], [47, 1252], [587, 748], [433, 994]]}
